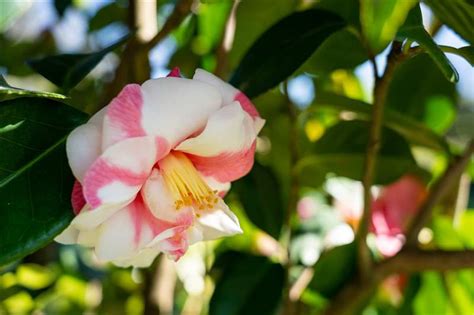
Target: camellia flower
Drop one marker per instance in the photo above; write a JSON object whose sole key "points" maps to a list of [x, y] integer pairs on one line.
{"points": [[152, 168], [393, 209]]}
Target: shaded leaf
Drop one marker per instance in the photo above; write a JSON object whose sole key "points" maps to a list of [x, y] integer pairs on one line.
{"points": [[467, 52], [347, 9], [414, 30], [457, 14], [260, 196], [380, 20], [61, 6], [67, 70], [342, 149], [108, 14], [283, 48], [412, 130], [249, 285], [333, 269], [35, 180]]}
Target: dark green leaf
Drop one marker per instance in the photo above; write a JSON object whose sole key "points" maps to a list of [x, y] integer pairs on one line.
{"points": [[67, 70], [261, 199], [333, 269], [414, 30], [35, 180], [283, 48], [380, 20], [409, 294], [412, 130], [9, 92], [417, 85], [249, 285], [467, 52], [342, 150], [111, 13], [332, 54], [348, 9], [457, 14]]}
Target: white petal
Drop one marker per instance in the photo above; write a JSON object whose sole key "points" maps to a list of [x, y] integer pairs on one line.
{"points": [[218, 223], [175, 108], [228, 91], [228, 130], [83, 147], [158, 198], [68, 236]]}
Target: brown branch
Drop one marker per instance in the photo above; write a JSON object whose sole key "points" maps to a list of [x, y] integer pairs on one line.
{"points": [[373, 147], [180, 11], [226, 42], [352, 298], [438, 191]]}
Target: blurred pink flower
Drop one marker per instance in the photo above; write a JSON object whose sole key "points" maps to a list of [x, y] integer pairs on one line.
{"points": [[306, 208]]}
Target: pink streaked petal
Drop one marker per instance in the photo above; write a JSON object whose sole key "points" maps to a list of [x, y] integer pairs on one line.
{"points": [[176, 73], [123, 116], [225, 167], [77, 198], [246, 104], [117, 176]]}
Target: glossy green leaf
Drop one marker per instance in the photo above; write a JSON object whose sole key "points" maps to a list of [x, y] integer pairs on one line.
{"points": [[35, 180], [342, 151], [414, 30], [248, 285], [457, 14], [333, 270], [67, 70], [467, 52], [332, 54], [9, 92], [414, 131], [417, 83], [380, 20], [261, 199], [283, 48]]}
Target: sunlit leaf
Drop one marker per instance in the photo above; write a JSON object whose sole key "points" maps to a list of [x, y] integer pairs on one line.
{"points": [[414, 30], [283, 48], [380, 20], [9, 92]]}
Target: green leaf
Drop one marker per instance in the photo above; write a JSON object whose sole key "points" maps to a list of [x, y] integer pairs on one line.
{"points": [[414, 30], [432, 297], [348, 9], [417, 83], [9, 92], [457, 14], [211, 22], [412, 130], [342, 150], [108, 14], [249, 285], [260, 196], [333, 270], [283, 48], [380, 20], [67, 70], [466, 52], [332, 54], [35, 180]]}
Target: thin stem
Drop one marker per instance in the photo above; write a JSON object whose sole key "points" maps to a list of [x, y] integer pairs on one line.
{"points": [[226, 43], [373, 147]]}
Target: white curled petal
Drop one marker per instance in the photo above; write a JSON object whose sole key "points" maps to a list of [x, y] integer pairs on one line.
{"points": [[218, 223], [83, 147], [228, 91], [68, 236], [158, 198], [228, 130], [175, 108]]}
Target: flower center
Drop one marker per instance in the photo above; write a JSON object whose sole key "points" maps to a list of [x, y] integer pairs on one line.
{"points": [[185, 183]]}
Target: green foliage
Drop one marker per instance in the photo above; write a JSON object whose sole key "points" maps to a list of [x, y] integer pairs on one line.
{"points": [[341, 151], [248, 285], [9, 92], [283, 48], [413, 29], [457, 14], [67, 70], [333, 269], [380, 20], [35, 180], [108, 14], [260, 196]]}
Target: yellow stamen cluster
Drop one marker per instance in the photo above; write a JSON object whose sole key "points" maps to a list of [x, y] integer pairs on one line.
{"points": [[185, 183]]}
